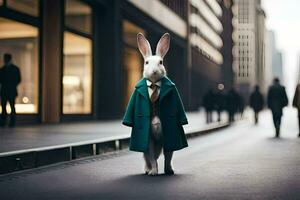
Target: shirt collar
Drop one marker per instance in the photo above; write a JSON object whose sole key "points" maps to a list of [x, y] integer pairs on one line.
{"points": [[158, 83]]}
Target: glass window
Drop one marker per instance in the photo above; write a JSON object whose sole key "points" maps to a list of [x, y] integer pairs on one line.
{"points": [[21, 41], [132, 59], [77, 74], [78, 16], [30, 7]]}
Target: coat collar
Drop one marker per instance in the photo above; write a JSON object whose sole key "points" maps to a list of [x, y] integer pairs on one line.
{"points": [[149, 83], [166, 86]]}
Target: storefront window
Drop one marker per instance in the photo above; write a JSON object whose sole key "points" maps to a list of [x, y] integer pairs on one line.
{"points": [[30, 7], [77, 74], [21, 41], [132, 59], [78, 16]]}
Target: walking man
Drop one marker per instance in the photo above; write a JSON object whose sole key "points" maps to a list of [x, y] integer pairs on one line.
{"points": [[296, 103], [208, 104], [232, 103], [10, 78], [256, 102], [277, 100], [220, 100]]}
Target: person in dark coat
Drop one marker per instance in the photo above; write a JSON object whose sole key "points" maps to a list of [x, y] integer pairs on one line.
{"points": [[256, 102], [208, 104], [241, 104], [10, 78], [232, 103], [277, 100], [220, 100], [296, 104]]}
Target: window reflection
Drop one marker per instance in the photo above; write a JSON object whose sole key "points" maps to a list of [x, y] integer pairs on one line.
{"points": [[77, 74], [78, 16], [30, 7], [132, 60], [21, 41]]}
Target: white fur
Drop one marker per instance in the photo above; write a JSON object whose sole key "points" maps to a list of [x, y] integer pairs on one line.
{"points": [[154, 70]]}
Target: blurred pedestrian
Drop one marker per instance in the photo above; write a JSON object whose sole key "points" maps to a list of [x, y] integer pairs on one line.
{"points": [[241, 104], [10, 78], [220, 100], [296, 104], [232, 103], [208, 104], [256, 102], [277, 100]]}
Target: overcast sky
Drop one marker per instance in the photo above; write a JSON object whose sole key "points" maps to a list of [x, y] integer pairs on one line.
{"points": [[283, 17]]}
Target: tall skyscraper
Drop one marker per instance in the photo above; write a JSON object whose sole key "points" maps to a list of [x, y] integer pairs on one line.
{"points": [[273, 59], [249, 50]]}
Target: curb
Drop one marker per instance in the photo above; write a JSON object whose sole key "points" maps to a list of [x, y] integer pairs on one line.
{"points": [[38, 157]]}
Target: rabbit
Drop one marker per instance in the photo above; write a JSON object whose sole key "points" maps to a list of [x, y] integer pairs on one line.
{"points": [[154, 71]]}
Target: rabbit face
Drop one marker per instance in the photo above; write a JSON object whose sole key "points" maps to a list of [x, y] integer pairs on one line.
{"points": [[154, 69]]}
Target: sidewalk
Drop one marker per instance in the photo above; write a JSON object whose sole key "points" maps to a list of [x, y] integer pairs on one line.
{"points": [[38, 136]]}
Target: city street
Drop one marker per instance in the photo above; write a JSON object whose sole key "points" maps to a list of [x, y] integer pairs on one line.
{"points": [[243, 161]]}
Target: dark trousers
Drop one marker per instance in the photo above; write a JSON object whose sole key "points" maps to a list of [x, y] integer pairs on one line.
{"points": [[209, 117], [219, 115], [11, 101], [231, 116], [277, 122], [256, 117], [299, 121]]}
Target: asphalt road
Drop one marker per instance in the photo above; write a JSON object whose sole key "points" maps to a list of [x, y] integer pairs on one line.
{"points": [[241, 162]]}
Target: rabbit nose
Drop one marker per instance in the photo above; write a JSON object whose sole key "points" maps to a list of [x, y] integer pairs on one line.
{"points": [[155, 71]]}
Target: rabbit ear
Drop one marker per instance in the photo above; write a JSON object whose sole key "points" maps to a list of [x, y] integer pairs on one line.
{"points": [[143, 45], [163, 45]]}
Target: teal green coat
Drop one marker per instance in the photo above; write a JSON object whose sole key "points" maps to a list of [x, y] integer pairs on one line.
{"points": [[171, 114]]}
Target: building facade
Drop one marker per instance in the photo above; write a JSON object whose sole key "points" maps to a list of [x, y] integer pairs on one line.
{"points": [[79, 58], [273, 60], [249, 50], [210, 39]]}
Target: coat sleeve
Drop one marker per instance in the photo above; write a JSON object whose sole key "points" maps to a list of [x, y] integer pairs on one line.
{"points": [[285, 98], [18, 81], [129, 114], [181, 112], [1, 77], [295, 99]]}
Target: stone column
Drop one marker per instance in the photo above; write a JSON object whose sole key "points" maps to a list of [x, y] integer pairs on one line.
{"points": [[52, 61]]}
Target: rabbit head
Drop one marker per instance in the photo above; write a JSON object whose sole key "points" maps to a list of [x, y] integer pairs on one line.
{"points": [[154, 69]]}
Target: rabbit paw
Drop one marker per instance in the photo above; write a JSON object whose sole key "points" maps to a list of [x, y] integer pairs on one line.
{"points": [[147, 169], [153, 172], [169, 171]]}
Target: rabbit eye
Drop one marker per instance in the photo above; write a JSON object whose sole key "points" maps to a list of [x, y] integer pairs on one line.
{"points": [[160, 62], [147, 62]]}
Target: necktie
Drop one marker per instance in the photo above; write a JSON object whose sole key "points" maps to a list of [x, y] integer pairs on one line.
{"points": [[154, 95]]}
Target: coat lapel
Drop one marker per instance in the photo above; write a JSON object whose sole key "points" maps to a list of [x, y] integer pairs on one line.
{"points": [[142, 88], [166, 87]]}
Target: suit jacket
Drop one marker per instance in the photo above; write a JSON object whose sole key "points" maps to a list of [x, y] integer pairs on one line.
{"points": [[296, 99], [171, 113], [277, 99], [256, 101], [10, 78]]}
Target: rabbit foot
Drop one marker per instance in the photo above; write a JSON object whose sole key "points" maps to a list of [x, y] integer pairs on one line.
{"points": [[147, 170], [169, 171], [153, 172]]}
